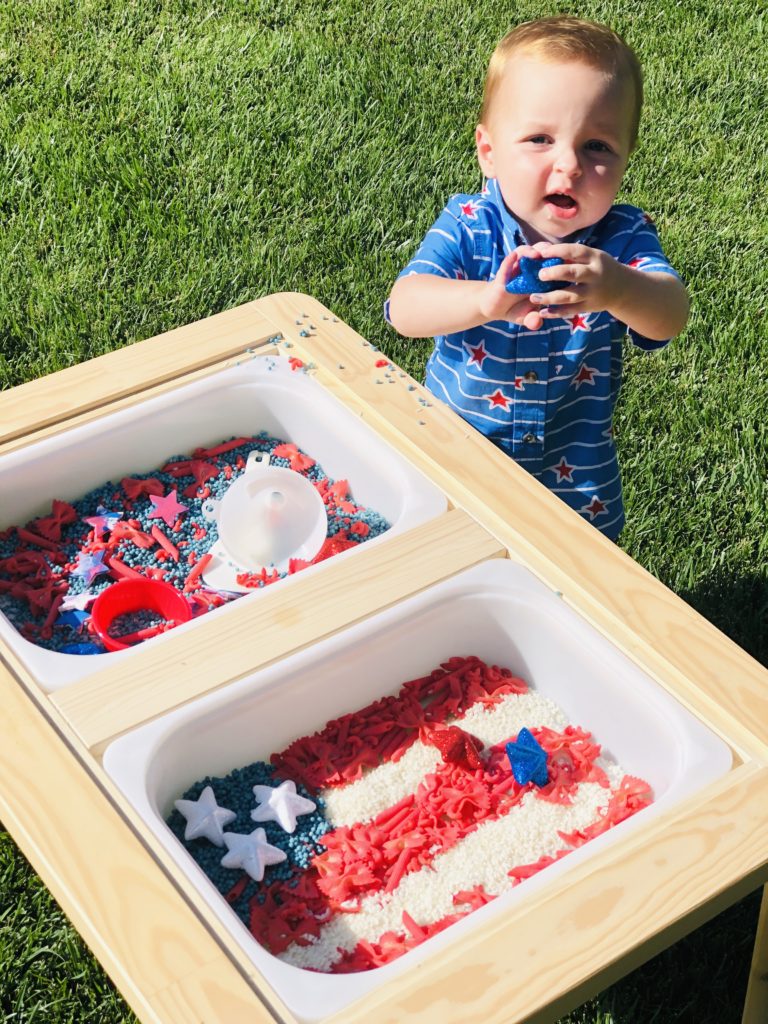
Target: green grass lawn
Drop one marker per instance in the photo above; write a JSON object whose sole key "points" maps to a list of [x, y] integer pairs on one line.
{"points": [[161, 162]]}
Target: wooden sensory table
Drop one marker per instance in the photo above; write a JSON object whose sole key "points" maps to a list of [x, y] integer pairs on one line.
{"points": [[171, 960]]}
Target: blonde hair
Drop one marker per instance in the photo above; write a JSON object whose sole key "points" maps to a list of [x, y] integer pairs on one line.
{"points": [[563, 38]]}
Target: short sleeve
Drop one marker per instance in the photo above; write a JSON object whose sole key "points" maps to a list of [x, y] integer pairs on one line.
{"points": [[447, 249], [643, 252]]}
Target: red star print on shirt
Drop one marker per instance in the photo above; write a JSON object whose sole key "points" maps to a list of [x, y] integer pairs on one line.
{"points": [[638, 261], [564, 471], [477, 354], [585, 375], [469, 209], [579, 322], [594, 508], [498, 398]]}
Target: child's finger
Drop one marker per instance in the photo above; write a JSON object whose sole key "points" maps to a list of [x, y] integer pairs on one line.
{"points": [[533, 320], [507, 268], [565, 312], [572, 252], [555, 312], [524, 314], [529, 251], [575, 272], [557, 298]]}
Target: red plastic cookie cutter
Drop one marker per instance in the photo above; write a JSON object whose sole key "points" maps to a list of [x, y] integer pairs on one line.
{"points": [[136, 595]]}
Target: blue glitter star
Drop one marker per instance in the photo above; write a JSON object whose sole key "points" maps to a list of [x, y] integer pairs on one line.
{"points": [[528, 759], [526, 282]]}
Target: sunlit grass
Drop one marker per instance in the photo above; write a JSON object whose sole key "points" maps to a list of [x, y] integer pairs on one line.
{"points": [[161, 162]]}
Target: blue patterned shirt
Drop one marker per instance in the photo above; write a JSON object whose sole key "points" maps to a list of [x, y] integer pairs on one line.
{"points": [[545, 397]]}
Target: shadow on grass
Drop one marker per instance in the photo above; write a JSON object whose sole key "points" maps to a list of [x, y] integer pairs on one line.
{"points": [[738, 606], [700, 980], [703, 978]]}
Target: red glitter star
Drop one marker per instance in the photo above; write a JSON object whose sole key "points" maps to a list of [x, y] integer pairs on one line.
{"points": [[456, 746]]}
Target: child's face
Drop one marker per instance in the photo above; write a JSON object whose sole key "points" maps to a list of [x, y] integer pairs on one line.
{"points": [[557, 139]]}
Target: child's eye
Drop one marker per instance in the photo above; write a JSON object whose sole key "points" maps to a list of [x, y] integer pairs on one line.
{"points": [[596, 146], [539, 139]]}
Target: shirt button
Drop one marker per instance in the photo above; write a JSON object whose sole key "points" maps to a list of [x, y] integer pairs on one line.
{"points": [[529, 439], [531, 376]]}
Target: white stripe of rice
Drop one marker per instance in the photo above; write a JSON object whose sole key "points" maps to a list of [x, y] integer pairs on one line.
{"points": [[381, 787], [526, 833]]}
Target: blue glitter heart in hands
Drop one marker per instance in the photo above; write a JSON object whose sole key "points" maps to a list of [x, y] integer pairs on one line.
{"points": [[528, 759], [527, 281]]}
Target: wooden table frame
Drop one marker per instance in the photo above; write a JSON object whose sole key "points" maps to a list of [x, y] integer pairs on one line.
{"points": [[171, 960]]}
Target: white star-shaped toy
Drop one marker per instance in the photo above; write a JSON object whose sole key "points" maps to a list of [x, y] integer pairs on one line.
{"points": [[205, 819], [281, 804], [77, 602], [252, 853]]}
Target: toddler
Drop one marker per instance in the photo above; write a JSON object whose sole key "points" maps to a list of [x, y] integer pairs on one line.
{"points": [[539, 374]]}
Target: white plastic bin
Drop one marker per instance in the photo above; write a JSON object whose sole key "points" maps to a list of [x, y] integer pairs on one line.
{"points": [[498, 611], [262, 393]]}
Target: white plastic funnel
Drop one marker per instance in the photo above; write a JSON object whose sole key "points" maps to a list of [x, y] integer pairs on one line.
{"points": [[267, 517]]}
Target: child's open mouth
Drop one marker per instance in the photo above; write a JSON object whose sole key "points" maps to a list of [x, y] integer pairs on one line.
{"points": [[561, 205]]}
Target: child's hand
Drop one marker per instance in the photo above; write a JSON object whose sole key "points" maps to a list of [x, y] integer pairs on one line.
{"points": [[596, 281], [499, 304]]}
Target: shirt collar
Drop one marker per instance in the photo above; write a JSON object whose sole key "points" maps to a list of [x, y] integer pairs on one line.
{"points": [[513, 232]]}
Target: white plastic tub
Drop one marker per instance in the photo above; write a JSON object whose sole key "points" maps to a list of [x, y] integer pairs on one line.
{"points": [[262, 393], [498, 611]]}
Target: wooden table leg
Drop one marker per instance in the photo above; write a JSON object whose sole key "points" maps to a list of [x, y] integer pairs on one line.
{"points": [[756, 1002]]}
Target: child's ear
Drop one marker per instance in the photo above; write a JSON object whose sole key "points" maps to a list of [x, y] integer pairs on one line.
{"points": [[484, 148]]}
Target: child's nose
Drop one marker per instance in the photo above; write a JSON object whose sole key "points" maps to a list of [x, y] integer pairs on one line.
{"points": [[567, 162]]}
